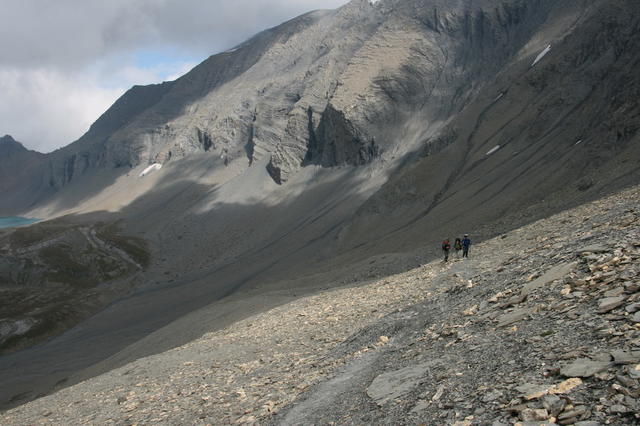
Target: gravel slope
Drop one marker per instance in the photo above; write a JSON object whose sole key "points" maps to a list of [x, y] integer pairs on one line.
{"points": [[485, 340]]}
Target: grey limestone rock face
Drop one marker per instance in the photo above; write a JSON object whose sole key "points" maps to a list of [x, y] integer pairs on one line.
{"points": [[329, 88]]}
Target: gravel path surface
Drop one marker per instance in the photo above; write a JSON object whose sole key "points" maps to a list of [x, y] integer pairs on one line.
{"points": [[539, 325]]}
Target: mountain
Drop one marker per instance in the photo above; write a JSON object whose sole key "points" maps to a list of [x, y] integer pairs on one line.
{"points": [[336, 139], [17, 166]]}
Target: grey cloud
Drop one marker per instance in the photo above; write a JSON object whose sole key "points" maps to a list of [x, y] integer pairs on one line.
{"points": [[63, 62], [71, 33]]}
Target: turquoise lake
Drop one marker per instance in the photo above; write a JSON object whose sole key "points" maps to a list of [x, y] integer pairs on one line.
{"points": [[9, 222]]}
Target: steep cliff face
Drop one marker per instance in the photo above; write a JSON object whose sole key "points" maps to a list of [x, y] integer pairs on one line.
{"points": [[329, 88], [425, 89], [555, 125], [18, 166]]}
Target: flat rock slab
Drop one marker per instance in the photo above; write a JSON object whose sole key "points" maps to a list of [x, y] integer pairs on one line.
{"points": [[595, 248], [634, 371], [626, 357], [513, 317], [552, 274], [584, 367], [610, 303], [393, 384]]}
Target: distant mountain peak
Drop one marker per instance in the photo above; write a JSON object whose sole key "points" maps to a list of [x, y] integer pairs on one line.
{"points": [[8, 145], [9, 141]]}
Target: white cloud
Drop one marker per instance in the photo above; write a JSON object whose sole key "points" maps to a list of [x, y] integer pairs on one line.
{"points": [[64, 63], [48, 108]]}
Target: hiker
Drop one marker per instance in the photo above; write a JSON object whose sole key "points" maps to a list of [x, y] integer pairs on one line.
{"points": [[466, 242], [458, 246], [445, 249]]}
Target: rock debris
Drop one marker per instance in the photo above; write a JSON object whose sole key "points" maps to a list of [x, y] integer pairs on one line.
{"points": [[540, 326]]}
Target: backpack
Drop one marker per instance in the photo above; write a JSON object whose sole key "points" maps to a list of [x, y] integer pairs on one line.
{"points": [[446, 245], [458, 244]]}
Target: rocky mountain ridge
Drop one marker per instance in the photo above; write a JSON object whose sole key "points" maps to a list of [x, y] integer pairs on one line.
{"points": [[319, 146], [17, 164], [329, 88]]}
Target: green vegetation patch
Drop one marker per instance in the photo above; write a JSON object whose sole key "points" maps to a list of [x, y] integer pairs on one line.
{"points": [[35, 234], [63, 266], [135, 247]]}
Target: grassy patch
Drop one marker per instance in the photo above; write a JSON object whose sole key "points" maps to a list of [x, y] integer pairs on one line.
{"points": [[63, 268], [34, 234], [135, 247]]}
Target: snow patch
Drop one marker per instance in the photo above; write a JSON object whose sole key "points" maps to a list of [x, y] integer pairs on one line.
{"points": [[151, 168], [541, 55], [374, 2], [493, 150]]}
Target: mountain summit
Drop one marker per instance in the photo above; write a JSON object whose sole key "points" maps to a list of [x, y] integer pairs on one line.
{"points": [[376, 80], [339, 146]]}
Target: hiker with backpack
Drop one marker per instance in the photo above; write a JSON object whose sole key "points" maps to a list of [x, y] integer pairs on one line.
{"points": [[466, 243], [457, 245], [445, 249]]}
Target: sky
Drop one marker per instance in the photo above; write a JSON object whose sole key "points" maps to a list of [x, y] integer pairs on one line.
{"points": [[64, 62]]}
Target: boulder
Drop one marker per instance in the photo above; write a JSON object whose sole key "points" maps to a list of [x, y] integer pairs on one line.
{"points": [[555, 273], [393, 384], [513, 317], [625, 357], [584, 367], [610, 303], [594, 248]]}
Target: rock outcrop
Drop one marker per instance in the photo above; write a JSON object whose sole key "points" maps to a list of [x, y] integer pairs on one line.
{"points": [[347, 86], [20, 183]]}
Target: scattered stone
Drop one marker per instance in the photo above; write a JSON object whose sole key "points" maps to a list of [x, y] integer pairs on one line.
{"points": [[584, 367], [572, 415], [565, 387], [625, 357], [534, 415], [491, 396], [421, 406], [515, 300], [555, 273], [595, 248], [618, 409], [554, 404], [471, 311], [634, 371], [614, 292], [632, 287], [438, 394], [513, 317], [321, 350], [394, 384], [633, 308], [610, 303]]}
